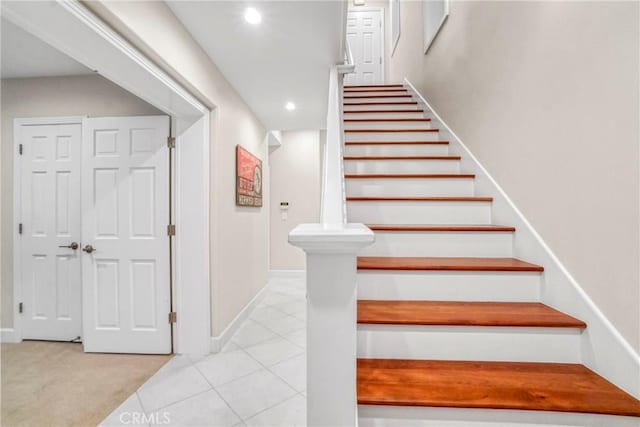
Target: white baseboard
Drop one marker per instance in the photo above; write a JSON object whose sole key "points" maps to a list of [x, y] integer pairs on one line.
{"points": [[9, 335], [603, 348], [217, 343], [286, 274]]}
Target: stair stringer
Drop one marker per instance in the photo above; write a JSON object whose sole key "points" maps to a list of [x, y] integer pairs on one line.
{"points": [[603, 349]]}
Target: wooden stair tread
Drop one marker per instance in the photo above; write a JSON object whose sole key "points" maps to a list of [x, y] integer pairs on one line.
{"points": [[446, 264], [378, 86], [380, 103], [389, 130], [402, 157], [562, 387], [409, 176], [396, 143], [419, 199], [460, 228], [399, 89], [383, 111], [375, 96], [460, 313], [387, 120]]}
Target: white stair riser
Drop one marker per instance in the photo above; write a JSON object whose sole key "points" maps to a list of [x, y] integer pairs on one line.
{"points": [[375, 93], [406, 416], [378, 98], [392, 136], [384, 115], [449, 286], [409, 187], [380, 106], [503, 344], [401, 166], [387, 125], [392, 212], [440, 244], [396, 149]]}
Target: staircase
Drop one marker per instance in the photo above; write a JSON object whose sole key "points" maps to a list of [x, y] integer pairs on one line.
{"points": [[447, 318]]}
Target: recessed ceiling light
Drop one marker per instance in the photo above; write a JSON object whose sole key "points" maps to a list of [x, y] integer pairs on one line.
{"points": [[252, 16], [290, 106]]}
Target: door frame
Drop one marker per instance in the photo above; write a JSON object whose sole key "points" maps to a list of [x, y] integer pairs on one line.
{"points": [[71, 28], [382, 31]]}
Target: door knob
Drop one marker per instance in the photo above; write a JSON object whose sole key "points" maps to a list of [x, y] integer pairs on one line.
{"points": [[88, 249], [73, 246]]}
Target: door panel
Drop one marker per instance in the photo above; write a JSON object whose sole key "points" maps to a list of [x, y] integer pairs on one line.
{"points": [[50, 214], [364, 33], [125, 205]]}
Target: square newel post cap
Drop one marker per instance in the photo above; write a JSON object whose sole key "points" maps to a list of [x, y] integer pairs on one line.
{"points": [[331, 238]]}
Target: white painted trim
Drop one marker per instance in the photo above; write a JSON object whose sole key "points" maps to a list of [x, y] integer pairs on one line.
{"points": [[71, 28], [287, 274], [218, 342], [192, 284], [604, 349], [9, 335], [17, 211]]}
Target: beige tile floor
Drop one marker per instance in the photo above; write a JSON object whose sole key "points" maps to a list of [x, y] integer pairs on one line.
{"points": [[259, 379]]}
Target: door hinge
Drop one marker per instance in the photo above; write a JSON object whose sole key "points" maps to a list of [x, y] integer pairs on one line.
{"points": [[20, 149], [20, 307], [171, 141], [173, 317], [171, 230], [20, 228], [381, 60]]}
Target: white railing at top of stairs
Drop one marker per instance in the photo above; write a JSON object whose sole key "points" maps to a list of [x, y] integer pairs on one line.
{"points": [[331, 247]]}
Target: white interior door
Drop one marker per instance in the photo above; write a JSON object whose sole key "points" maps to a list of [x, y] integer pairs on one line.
{"points": [[364, 33], [50, 218], [125, 208]]}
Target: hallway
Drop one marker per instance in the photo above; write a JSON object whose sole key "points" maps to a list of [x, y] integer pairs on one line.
{"points": [[258, 379]]}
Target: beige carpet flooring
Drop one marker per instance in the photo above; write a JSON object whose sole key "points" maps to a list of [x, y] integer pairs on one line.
{"points": [[56, 384]]}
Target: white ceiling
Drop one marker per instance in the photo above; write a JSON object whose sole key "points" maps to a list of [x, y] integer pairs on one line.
{"points": [[25, 55], [287, 57]]}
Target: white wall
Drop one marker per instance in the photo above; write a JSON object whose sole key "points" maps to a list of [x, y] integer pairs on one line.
{"points": [[239, 235], [295, 178], [546, 95], [49, 97]]}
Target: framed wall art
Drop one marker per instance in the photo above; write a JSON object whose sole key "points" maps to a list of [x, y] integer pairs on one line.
{"points": [[248, 178]]}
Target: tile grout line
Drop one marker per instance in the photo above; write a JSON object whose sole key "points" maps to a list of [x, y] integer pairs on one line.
{"points": [[273, 373], [180, 400], [219, 395], [281, 379]]}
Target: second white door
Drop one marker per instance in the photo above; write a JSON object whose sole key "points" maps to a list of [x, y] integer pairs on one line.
{"points": [[125, 213], [364, 34]]}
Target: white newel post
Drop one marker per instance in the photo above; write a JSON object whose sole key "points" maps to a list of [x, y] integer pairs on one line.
{"points": [[331, 319]]}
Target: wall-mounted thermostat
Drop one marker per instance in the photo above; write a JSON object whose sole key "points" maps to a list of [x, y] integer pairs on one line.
{"points": [[284, 207]]}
